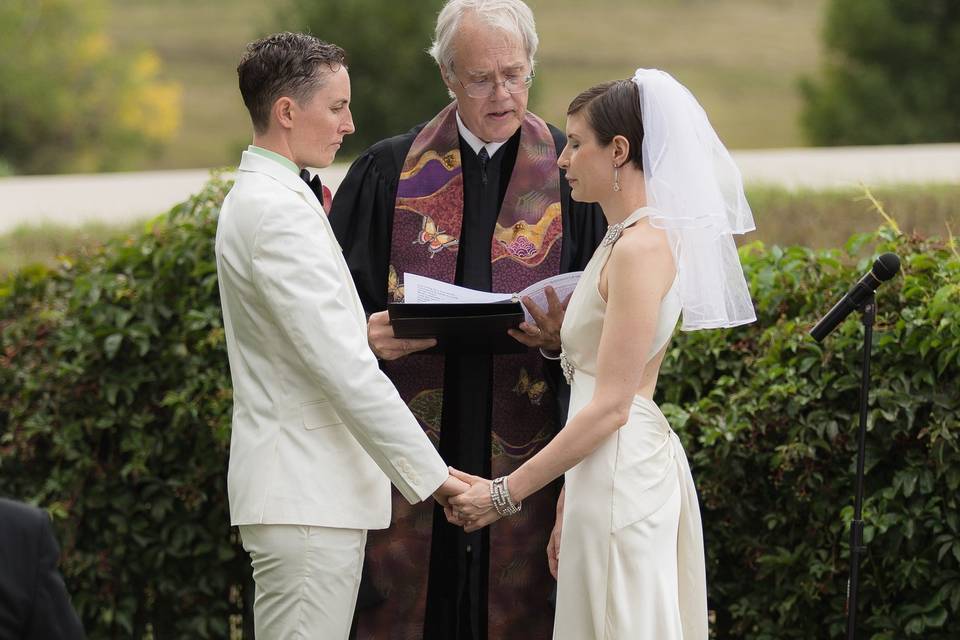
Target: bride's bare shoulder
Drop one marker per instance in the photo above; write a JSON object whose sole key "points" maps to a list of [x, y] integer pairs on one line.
{"points": [[642, 246]]}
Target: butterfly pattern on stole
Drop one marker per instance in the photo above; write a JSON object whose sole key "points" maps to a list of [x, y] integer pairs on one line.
{"points": [[533, 389], [394, 288], [434, 237]]}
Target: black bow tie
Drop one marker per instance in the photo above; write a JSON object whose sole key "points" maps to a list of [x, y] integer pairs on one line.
{"points": [[313, 183]]}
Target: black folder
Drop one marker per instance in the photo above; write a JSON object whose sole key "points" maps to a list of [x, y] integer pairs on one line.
{"points": [[468, 328]]}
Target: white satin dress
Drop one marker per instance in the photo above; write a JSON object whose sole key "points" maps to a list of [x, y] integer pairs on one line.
{"points": [[631, 552]]}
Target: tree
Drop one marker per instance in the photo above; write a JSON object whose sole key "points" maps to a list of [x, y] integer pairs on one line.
{"points": [[69, 102], [395, 83], [892, 74]]}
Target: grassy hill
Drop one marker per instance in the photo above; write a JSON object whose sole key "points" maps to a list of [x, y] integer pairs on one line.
{"points": [[742, 59]]}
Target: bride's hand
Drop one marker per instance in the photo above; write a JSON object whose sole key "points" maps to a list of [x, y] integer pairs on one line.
{"points": [[553, 547], [473, 507]]}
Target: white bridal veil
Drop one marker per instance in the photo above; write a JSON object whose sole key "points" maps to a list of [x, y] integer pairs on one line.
{"points": [[697, 192]]}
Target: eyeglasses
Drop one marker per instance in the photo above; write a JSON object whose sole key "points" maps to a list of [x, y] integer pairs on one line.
{"points": [[485, 89]]}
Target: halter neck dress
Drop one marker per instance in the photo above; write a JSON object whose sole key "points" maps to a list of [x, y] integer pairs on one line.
{"points": [[631, 561]]}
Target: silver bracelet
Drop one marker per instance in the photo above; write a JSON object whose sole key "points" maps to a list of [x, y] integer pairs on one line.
{"points": [[548, 355], [500, 496]]}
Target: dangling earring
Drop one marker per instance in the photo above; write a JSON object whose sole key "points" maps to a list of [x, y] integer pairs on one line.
{"points": [[616, 178]]}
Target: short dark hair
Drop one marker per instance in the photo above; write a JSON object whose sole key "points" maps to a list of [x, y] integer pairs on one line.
{"points": [[613, 109], [284, 64]]}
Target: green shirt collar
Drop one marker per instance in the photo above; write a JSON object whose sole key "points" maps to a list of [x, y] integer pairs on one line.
{"points": [[276, 157]]}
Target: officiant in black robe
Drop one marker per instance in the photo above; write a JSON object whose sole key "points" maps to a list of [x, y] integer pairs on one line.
{"points": [[473, 197]]}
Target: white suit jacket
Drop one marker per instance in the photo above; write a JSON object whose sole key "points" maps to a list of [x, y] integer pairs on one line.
{"points": [[318, 429]]}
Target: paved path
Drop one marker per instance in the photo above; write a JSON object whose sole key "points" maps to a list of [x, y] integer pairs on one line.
{"points": [[116, 198]]}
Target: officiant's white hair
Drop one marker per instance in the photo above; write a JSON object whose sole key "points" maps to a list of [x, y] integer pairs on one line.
{"points": [[512, 16]]}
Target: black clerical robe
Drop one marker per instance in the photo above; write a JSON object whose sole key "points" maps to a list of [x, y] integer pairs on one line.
{"points": [[362, 219]]}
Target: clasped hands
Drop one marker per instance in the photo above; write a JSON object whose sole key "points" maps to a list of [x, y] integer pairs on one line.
{"points": [[543, 333], [466, 501]]}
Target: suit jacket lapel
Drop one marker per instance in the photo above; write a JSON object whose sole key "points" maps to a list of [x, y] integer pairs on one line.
{"points": [[258, 164]]}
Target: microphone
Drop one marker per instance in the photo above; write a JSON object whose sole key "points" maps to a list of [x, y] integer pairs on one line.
{"points": [[884, 268]]}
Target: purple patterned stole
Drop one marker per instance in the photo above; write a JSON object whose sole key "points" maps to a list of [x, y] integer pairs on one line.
{"points": [[525, 248]]}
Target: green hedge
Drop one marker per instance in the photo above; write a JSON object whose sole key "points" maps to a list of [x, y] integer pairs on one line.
{"points": [[769, 417], [115, 405], [114, 413]]}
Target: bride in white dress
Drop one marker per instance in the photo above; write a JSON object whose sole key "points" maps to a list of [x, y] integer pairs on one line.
{"points": [[627, 549]]}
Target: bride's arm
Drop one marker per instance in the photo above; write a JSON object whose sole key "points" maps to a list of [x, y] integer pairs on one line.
{"points": [[639, 273]]}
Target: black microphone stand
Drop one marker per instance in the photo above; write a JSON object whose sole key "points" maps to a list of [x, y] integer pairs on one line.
{"points": [[868, 315]]}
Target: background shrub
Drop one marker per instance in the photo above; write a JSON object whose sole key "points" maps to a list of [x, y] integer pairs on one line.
{"points": [[70, 101], [395, 84], [770, 420], [892, 75], [115, 406], [114, 413]]}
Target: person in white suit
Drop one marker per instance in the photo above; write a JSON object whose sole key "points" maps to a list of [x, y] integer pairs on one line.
{"points": [[319, 432]]}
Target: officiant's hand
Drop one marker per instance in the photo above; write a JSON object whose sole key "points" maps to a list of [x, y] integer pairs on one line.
{"points": [[544, 333], [387, 346], [473, 509]]}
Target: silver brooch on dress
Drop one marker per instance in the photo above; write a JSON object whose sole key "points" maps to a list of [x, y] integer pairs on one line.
{"points": [[613, 233], [566, 367]]}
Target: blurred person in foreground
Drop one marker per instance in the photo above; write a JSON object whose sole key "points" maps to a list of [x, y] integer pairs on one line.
{"points": [[34, 603], [472, 197], [627, 546], [318, 431]]}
